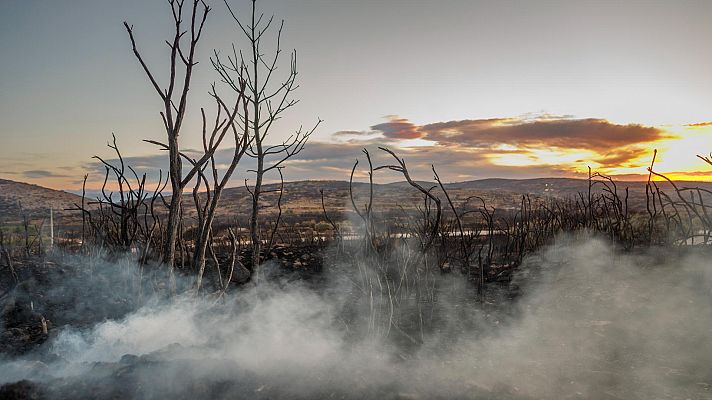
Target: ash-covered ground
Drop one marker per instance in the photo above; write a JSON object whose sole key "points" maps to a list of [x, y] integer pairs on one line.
{"points": [[588, 322]]}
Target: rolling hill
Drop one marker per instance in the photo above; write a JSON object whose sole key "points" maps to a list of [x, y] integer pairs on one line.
{"points": [[17, 198], [302, 199]]}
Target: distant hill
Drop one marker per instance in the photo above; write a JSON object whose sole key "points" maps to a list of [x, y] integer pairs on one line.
{"points": [[34, 200], [567, 187], [302, 199]]}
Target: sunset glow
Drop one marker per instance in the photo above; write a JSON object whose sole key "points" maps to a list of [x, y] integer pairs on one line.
{"points": [[565, 146], [530, 98]]}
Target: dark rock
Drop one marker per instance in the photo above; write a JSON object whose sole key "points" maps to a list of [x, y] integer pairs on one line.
{"points": [[22, 390]]}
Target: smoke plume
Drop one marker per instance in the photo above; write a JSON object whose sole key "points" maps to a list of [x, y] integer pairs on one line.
{"points": [[589, 322]]}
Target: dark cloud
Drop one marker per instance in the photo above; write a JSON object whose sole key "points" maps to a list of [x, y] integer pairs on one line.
{"points": [[352, 133], [398, 128], [709, 123], [41, 173], [620, 157], [690, 173]]}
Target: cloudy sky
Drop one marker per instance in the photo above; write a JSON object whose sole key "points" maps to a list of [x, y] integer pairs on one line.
{"points": [[480, 89]]}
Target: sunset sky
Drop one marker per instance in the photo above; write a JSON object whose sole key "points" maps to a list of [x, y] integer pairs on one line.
{"points": [[480, 89]]}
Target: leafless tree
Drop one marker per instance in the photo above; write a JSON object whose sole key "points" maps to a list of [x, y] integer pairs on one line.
{"points": [[367, 214], [692, 204], [227, 120], [269, 97], [432, 226], [213, 191], [130, 197], [119, 216], [5, 256], [175, 101], [337, 231]]}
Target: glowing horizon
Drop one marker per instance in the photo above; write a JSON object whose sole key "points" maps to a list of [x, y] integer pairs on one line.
{"points": [[416, 70], [677, 150]]}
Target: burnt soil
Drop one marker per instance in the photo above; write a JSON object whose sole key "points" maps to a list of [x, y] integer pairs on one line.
{"points": [[49, 294]]}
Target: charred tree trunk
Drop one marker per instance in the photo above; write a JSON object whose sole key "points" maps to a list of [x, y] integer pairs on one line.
{"points": [[175, 99], [174, 210], [255, 236]]}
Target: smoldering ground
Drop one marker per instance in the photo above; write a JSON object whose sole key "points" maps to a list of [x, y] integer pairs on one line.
{"points": [[591, 322]]}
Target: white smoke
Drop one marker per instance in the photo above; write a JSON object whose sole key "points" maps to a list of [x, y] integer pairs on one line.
{"points": [[592, 323]]}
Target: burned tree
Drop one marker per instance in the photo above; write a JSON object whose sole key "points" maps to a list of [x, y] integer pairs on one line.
{"points": [[123, 217], [213, 187], [269, 97], [206, 212], [175, 99], [689, 208]]}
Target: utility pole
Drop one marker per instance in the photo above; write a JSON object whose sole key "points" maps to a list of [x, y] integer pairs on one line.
{"points": [[51, 228]]}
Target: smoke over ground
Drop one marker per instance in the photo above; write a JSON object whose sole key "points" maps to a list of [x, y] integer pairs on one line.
{"points": [[591, 323]]}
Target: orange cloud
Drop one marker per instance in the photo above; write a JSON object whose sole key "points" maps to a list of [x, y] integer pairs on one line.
{"points": [[591, 134], [604, 143]]}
